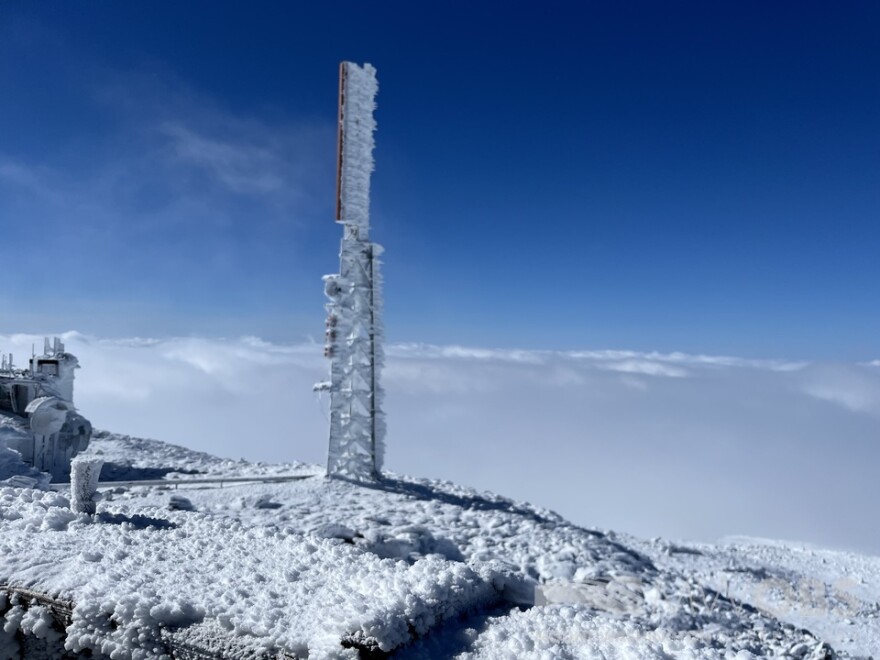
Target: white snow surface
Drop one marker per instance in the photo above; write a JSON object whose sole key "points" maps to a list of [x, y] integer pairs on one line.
{"points": [[833, 593], [415, 568], [130, 574]]}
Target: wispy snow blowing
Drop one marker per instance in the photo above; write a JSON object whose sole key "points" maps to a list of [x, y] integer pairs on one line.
{"points": [[764, 448]]}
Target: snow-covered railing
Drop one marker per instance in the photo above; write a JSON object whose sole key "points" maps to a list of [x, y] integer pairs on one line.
{"points": [[192, 482]]}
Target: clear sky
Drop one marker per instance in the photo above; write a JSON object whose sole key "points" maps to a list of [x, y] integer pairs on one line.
{"points": [[695, 176]]}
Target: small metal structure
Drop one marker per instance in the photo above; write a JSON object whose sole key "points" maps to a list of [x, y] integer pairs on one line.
{"points": [[354, 314], [43, 395]]}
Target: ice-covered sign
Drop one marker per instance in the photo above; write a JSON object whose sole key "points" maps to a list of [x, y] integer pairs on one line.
{"points": [[354, 314], [357, 101]]}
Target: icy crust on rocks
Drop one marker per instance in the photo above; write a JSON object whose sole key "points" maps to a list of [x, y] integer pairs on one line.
{"points": [[131, 574], [417, 567], [409, 519], [518, 546], [35, 621], [564, 632], [835, 594]]}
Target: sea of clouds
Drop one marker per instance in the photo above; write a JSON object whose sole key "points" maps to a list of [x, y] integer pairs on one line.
{"points": [[682, 446]]}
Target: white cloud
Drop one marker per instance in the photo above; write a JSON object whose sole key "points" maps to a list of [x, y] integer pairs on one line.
{"points": [[18, 174], [430, 351], [645, 367], [245, 157], [735, 447], [854, 389], [687, 358]]}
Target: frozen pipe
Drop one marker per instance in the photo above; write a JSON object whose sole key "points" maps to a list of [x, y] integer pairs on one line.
{"points": [[84, 473]]}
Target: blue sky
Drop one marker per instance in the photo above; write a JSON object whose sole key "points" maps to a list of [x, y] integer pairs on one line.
{"points": [[685, 176]]}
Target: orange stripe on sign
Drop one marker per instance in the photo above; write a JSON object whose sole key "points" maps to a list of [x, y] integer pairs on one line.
{"points": [[340, 138]]}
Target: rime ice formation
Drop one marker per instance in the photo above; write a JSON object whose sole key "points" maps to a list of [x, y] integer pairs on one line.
{"points": [[84, 473], [406, 567], [42, 394], [354, 325], [357, 102]]}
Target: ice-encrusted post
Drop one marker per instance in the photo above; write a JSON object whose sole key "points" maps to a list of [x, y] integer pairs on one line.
{"points": [[84, 473], [354, 315]]}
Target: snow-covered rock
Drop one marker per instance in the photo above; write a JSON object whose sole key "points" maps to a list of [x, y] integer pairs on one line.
{"points": [[412, 567]]}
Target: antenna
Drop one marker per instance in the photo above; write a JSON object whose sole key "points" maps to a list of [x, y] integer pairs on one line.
{"points": [[354, 327]]}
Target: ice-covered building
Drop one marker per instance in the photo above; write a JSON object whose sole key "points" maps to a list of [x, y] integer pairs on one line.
{"points": [[41, 398]]}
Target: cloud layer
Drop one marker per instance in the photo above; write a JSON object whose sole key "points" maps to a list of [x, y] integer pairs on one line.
{"points": [[676, 445]]}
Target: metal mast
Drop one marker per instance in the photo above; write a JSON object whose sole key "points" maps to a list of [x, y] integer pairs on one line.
{"points": [[354, 314]]}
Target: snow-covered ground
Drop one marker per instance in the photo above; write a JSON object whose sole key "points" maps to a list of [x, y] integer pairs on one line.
{"points": [[834, 594], [415, 568]]}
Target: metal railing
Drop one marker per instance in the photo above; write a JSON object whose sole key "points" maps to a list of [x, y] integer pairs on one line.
{"points": [[194, 482]]}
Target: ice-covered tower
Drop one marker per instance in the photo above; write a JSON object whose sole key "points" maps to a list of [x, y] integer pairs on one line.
{"points": [[354, 315]]}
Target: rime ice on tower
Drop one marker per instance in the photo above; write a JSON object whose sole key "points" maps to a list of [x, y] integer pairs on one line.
{"points": [[354, 325]]}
